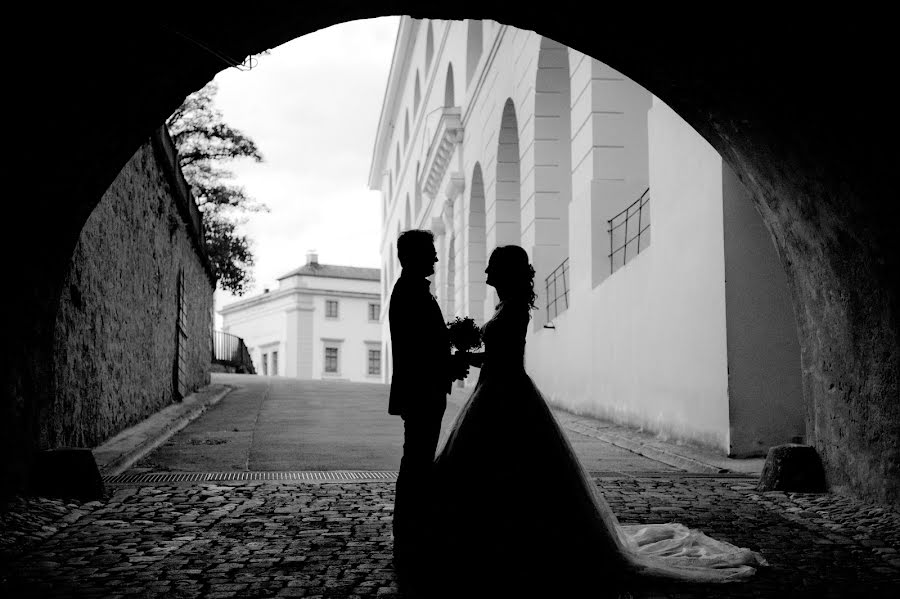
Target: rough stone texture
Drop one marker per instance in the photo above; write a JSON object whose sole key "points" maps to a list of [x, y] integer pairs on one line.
{"points": [[114, 345], [809, 146], [68, 472], [792, 467], [266, 539]]}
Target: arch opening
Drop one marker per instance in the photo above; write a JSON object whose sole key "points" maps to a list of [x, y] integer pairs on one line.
{"points": [[474, 47], [476, 261], [449, 88], [429, 48], [504, 213], [802, 212], [545, 212]]}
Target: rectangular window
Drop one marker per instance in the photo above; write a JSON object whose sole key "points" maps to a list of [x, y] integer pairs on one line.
{"points": [[331, 309], [331, 359], [375, 361], [265, 364], [274, 363], [374, 312]]}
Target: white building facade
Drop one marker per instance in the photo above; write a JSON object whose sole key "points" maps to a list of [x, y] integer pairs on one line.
{"points": [[323, 322], [662, 300]]}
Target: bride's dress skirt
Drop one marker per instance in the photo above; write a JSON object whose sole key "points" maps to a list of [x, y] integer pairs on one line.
{"points": [[514, 501]]}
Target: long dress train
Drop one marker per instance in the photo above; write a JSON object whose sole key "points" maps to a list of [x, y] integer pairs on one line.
{"points": [[513, 498]]}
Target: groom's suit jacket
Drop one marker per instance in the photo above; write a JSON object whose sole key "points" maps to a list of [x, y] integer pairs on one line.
{"points": [[420, 346]]}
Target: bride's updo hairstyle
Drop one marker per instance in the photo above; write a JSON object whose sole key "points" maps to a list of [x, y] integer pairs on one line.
{"points": [[510, 269]]}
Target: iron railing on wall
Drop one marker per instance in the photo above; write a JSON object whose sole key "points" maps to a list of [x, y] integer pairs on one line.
{"points": [[629, 230], [231, 351], [557, 289]]}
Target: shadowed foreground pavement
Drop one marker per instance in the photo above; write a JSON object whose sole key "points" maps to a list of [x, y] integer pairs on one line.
{"points": [[281, 423], [314, 539], [263, 539]]}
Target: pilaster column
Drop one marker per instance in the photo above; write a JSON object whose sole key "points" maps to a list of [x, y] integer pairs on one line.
{"points": [[437, 227]]}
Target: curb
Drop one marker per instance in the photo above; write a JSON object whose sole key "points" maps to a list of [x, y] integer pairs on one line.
{"points": [[122, 451], [581, 425], [654, 453], [648, 451]]}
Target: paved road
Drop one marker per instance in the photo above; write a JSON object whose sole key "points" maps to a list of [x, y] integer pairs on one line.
{"points": [[333, 540], [280, 423]]}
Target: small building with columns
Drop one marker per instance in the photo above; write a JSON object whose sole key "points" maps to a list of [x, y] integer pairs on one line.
{"points": [[323, 322], [662, 300]]}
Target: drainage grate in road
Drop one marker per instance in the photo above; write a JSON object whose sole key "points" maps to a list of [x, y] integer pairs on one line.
{"points": [[296, 475], [354, 476]]}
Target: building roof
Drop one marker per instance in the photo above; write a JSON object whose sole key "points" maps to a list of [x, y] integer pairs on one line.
{"points": [[335, 272]]}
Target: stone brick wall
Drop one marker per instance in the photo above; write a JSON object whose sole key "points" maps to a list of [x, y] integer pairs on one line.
{"points": [[114, 343]]}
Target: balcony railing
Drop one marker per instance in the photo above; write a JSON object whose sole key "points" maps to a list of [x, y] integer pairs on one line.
{"points": [[231, 351], [557, 288], [629, 230]]}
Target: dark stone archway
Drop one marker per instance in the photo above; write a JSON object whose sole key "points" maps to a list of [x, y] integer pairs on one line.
{"points": [[793, 104]]}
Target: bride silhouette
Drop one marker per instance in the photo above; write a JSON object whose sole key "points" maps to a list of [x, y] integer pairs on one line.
{"points": [[516, 512]]}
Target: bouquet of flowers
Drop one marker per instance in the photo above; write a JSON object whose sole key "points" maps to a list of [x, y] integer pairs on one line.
{"points": [[465, 335]]}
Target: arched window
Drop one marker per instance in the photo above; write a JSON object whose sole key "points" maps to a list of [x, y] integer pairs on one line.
{"points": [[429, 48], [473, 48], [417, 96], [549, 235], [508, 208], [449, 93], [475, 293], [418, 193], [407, 221], [406, 130], [389, 267]]}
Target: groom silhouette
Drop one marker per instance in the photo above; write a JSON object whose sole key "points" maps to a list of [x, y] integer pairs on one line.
{"points": [[423, 372]]}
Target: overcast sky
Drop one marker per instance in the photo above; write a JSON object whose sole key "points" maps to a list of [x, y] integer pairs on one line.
{"points": [[312, 107]]}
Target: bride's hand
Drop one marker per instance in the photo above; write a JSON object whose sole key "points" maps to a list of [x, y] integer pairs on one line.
{"points": [[475, 359], [459, 367]]}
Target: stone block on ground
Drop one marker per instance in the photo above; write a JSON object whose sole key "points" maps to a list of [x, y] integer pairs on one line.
{"points": [[793, 467], [67, 472]]}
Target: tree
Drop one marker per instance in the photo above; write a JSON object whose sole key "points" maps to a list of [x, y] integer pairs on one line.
{"points": [[204, 141]]}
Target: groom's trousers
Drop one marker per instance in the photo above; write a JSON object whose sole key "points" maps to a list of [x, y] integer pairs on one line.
{"points": [[413, 495]]}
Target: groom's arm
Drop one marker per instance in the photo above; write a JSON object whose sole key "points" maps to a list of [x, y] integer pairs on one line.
{"points": [[459, 367], [475, 359], [409, 342]]}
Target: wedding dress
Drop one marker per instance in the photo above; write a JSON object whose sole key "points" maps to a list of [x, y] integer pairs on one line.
{"points": [[513, 498]]}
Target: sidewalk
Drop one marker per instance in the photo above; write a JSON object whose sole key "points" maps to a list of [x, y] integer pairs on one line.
{"points": [[333, 540], [686, 457], [119, 453], [128, 447]]}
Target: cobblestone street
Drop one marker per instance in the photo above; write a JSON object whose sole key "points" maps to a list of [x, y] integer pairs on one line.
{"points": [[264, 535], [264, 539]]}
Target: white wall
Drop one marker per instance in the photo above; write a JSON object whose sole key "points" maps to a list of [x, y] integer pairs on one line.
{"points": [[350, 332], [262, 325], [292, 321], [764, 384], [646, 345], [656, 356]]}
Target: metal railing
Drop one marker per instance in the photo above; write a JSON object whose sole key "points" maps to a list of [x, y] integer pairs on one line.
{"points": [[231, 351], [633, 221], [557, 289]]}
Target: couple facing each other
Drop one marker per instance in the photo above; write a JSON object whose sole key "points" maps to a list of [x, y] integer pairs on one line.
{"points": [[506, 501]]}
